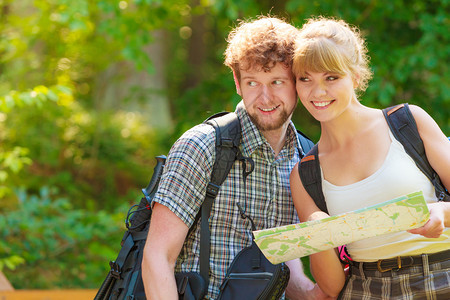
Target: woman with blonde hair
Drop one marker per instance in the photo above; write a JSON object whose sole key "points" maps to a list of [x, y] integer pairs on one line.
{"points": [[362, 164]]}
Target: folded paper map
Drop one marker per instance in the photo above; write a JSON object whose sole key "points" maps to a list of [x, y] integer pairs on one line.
{"points": [[285, 243]]}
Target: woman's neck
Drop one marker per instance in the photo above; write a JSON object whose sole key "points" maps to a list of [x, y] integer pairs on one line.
{"points": [[353, 122]]}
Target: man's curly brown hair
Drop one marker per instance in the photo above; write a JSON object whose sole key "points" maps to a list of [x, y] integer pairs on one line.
{"points": [[260, 45]]}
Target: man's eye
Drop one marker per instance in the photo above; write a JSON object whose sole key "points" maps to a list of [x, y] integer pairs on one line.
{"points": [[277, 82], [252, 83]]}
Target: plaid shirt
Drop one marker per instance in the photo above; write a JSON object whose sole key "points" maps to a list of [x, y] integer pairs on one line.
{"points": [[265, 196]]}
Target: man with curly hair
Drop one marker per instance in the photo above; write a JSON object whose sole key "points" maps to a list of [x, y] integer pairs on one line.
{"points": [[259, 53]]}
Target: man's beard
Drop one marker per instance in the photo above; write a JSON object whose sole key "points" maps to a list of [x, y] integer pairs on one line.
{"points": [[269, 126]]}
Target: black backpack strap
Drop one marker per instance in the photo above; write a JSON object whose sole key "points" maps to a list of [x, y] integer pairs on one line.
{"points": [[309, 171], [228, 136], [305, 143], [404, 128]]}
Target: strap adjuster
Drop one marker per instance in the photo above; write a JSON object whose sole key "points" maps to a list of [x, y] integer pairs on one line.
{"points": [[183, 285], [115, 269], [212, 190]]}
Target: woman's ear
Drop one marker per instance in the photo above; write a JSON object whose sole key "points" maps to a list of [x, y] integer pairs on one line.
{"points": [[236, 83], [356, 78]]}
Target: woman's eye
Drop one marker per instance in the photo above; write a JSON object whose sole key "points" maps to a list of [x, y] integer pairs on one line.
{"points": [[303, 79], [332, 78], [252, 83]]}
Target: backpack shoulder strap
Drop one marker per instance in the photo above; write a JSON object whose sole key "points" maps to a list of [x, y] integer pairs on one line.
{"points": [[305, 143], [309, 171], [228, 136], [404, 128]]}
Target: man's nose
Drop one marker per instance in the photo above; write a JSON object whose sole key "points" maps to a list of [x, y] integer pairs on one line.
{"points": [[266, 92]]}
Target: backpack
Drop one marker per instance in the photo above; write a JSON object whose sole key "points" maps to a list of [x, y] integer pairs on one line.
{"points": [[251, 276], [124, 280], [404, 128]]}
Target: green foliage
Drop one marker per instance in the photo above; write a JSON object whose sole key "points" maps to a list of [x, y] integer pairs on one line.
{"points": [[48, 243], [306, 268], [93, 158], [77, 44], [34, 97], [14, 158]]}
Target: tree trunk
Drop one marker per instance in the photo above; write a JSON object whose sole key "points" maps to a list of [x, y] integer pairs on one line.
{"points": [[138, 91]]}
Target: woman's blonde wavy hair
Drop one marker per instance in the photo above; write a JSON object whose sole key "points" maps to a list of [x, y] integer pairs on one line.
{"points": [[332, 45]]}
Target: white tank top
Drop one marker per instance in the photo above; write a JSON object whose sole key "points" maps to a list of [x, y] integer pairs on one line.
{"points": [[398, 176]]}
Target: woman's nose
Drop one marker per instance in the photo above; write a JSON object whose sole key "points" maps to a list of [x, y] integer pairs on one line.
{"points": [[319, 90]]}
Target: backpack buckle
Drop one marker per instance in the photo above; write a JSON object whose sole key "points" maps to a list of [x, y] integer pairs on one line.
{"points": [[115, 269]]}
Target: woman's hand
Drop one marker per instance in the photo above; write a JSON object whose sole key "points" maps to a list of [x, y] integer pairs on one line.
{"points": [[434, 227]]}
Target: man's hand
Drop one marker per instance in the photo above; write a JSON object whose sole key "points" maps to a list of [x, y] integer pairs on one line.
{"points": [[318, 294], [313, 294], [300, 287]]}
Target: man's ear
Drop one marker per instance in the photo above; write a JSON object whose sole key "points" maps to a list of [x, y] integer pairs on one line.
{"points": [[236, 83]]}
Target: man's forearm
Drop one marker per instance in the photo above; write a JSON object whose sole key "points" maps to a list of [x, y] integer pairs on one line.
{"points": [[159, 280], [299, 284], [165, 239]]}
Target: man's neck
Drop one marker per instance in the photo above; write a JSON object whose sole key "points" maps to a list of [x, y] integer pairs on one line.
{"points": [[276, 139]]}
